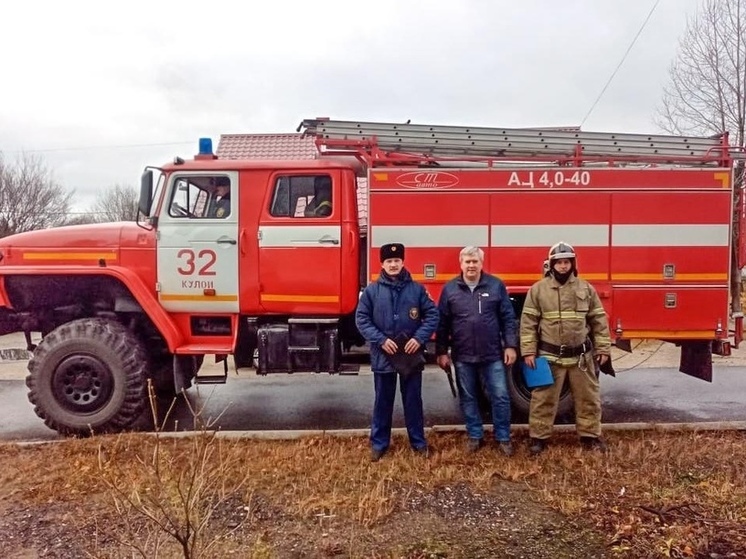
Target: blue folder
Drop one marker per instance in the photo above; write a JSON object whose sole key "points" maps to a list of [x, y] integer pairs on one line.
{"points": [[540, 376]]}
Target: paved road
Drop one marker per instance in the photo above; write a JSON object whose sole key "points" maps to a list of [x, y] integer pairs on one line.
{"points": [[307, 401]]}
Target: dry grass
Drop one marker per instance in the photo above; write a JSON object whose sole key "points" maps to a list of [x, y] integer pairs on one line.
{"points": [[654, 495]]}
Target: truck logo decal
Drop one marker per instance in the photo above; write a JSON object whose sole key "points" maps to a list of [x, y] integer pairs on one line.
{"points": [[427, 180]]}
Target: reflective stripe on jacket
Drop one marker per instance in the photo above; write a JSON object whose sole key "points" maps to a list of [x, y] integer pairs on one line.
{"points": [[563, 315]]}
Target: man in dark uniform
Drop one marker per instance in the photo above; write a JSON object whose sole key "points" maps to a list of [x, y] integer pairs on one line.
{"points": [[221, 205], [396, 315]]}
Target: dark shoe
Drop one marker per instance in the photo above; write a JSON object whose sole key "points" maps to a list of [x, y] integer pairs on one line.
{"points": [[506, 448], [537, 446], [423, 451], [376, 455], [473, 445], [594, 443]]}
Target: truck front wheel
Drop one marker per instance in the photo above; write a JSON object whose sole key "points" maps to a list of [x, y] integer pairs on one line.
{"points": [[88, 376]]}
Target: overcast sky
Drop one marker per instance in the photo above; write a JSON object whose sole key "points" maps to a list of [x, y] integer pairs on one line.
{"points": [[101, 89]]}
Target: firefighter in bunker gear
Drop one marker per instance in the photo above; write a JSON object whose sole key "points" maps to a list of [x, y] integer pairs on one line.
{"points": [[321, 204], [564, 321]]}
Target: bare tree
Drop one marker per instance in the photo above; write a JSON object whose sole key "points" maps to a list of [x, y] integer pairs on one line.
{"points": [[706, 93], [30, 197], [81, 219], [118, 203]]}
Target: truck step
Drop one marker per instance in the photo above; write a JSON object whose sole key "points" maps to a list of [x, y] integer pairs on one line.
{"points": [[349, 369], [304, 349], [210, 379]]}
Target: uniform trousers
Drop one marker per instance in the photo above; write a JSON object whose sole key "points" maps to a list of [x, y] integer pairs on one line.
{"points": [[586, 395], [383, 409]]}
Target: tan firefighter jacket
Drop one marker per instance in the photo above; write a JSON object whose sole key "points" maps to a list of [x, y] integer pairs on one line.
{"points": [[567, 315]]}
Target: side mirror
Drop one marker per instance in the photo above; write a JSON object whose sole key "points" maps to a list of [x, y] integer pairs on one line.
{"points": [[146, 193]]}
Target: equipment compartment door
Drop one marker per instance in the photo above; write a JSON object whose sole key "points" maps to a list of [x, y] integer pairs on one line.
{"points": [[198, 244], [300, 244], [670, 312]]}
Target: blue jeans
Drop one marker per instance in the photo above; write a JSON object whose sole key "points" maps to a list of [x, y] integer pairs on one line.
{"points": [[491, 374], [383, 409]]}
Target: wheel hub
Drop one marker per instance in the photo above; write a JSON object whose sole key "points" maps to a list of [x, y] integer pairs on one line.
{"points": [[82, 383]]}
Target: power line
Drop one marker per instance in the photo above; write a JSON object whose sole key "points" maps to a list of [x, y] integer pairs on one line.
{"points": [[634, 40], [113, 146]]}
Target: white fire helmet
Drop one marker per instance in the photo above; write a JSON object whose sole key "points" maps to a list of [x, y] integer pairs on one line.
{"points": [[561, 250]]}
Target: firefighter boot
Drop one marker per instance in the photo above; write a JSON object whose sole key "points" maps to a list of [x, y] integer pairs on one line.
{"points": [[537, 446], [594, 443]]}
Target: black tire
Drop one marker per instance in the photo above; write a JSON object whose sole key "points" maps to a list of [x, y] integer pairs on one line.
{"points": [[88, 376], [520, 395], [162, 376]]}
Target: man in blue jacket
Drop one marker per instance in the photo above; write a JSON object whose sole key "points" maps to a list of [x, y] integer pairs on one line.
{"points": [[396, 316], [478, 323]]}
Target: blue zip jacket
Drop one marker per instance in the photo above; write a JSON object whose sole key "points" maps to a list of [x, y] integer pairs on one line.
{"points": [[392, 306], [476, 325]]}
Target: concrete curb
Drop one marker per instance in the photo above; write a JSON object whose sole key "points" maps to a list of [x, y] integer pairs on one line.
{"points": [[520, 428], [350, 433]]}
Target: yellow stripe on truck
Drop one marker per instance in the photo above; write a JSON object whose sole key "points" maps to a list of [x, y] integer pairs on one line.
{"points": [[198, 298], [69, 255], [658, 276], [668, 334], [279, 298]]}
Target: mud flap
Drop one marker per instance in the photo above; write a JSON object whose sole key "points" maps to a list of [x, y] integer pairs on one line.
{"points": [[184, 371], [696, 359]]}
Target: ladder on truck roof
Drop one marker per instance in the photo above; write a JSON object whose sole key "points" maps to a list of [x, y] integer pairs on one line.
{"points": [[390, 142]]}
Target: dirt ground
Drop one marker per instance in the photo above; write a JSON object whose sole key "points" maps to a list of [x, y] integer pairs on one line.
{"points": [[654, 495]]}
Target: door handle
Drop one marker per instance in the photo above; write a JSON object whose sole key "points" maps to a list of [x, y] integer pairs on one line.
{"points": [[328, 241], [226, 241]]}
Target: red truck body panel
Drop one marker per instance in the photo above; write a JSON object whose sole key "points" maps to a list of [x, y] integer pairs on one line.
{"points": [[644, 237]]}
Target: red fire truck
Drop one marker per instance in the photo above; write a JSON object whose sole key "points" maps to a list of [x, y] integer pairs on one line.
{"points": [[233, 257]]}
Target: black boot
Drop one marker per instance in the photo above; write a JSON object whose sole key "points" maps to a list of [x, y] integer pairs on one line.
{"points": [[537, 446], [594, 443]]}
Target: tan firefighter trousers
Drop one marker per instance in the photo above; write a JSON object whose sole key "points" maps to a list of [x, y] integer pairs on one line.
{"points": [[585, 393]]}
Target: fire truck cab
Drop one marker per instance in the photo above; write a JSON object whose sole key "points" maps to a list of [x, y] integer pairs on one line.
{"points": [[265, 260]]}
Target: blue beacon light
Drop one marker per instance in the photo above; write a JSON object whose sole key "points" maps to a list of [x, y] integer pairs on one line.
{"points": [[205, 146]]}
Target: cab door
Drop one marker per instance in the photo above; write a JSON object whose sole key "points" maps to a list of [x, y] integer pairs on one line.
{"points": [[198, 244], [300, 244]]}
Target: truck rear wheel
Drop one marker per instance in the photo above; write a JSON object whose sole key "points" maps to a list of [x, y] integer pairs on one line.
{"points": [[88, 376], [520, 395]]}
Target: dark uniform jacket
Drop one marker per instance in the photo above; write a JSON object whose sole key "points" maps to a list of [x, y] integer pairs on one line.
{"points": [[394, 308], [221, 208], [476, 325]]}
